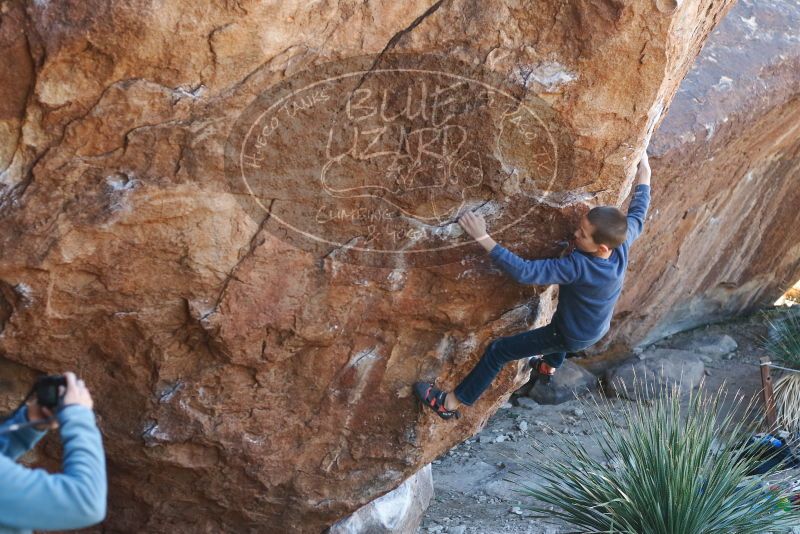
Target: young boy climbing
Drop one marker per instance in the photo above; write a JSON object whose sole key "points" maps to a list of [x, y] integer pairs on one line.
{"points": [[590, 280]]}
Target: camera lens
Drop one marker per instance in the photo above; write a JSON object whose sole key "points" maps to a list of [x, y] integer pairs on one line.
{"points": [[47, 390]]}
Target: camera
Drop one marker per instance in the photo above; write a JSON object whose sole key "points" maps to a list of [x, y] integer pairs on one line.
{"points": [[46, 389]]}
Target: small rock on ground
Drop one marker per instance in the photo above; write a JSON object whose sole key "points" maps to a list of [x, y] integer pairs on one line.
{"points": [[570, 379]]}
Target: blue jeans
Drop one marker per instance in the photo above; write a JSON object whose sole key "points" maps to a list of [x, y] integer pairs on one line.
{"points": [[546, 340]]}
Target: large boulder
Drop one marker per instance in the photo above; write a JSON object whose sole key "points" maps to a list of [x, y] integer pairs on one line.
{"points": [[725, 184], [236, 221], [570, 381]]}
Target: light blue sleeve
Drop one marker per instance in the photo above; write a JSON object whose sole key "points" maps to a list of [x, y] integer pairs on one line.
{"points": [[637, 211], [74, 498], [15, 444], [540, 272]]}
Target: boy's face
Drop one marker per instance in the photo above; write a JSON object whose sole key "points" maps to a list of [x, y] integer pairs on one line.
{"points": [[583, 237]]}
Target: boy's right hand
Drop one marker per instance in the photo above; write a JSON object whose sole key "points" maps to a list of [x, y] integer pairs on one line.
{"points": [[474, 224]]}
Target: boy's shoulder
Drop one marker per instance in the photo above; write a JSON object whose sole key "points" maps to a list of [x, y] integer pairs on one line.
{"points": [[618, 255], [580, 255]]}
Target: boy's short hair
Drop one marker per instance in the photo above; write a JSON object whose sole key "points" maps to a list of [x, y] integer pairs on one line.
{"points": [[610, 226]]}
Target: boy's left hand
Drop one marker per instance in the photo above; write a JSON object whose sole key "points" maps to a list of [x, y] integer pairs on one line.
{"points": [[474, 224]]}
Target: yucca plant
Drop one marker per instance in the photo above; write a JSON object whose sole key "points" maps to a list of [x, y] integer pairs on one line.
{"points": [[666, 467], [783, 346]]}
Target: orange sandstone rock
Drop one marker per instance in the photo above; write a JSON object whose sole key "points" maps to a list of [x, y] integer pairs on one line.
{"points": [[249, 376]]}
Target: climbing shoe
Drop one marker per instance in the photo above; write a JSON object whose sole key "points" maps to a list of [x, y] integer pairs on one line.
{"points": [[541, 370], [433, 398]]}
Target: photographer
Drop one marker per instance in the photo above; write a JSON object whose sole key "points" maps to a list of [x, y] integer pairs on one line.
{"points": [[34, 499]]}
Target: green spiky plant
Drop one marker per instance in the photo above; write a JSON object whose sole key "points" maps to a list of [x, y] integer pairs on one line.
{"points": [[665, 468], [783, 346]]}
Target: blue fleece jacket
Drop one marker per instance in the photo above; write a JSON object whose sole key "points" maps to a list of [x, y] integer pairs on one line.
{"points": [[588, 286], [34, 499]]}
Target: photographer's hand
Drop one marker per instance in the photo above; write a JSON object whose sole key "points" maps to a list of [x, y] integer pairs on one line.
{"points": [[36, 413], [76, 392]]}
